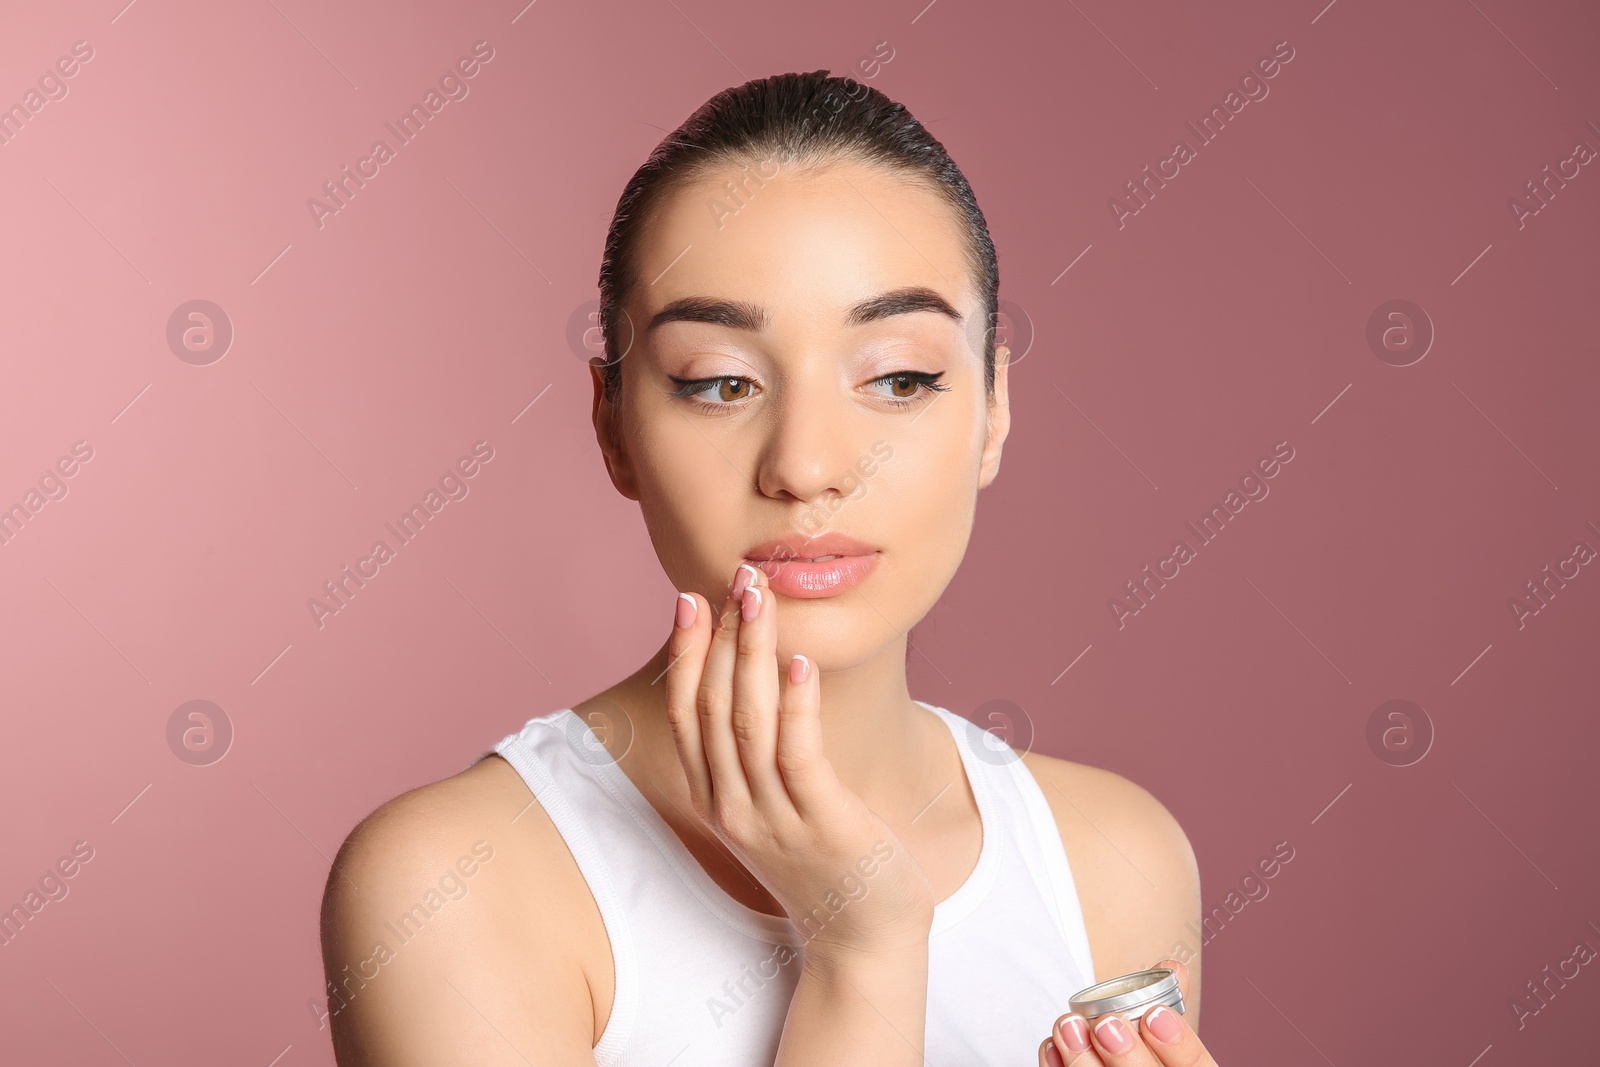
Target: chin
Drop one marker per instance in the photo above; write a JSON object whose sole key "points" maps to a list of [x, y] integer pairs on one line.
{"points": [[834, 633]]}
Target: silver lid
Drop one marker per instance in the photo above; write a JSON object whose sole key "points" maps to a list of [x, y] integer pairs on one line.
{"points": [[1130, 993]]}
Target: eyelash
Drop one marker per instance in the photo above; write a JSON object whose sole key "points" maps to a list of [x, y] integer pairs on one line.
{"points": [[689, 387]]}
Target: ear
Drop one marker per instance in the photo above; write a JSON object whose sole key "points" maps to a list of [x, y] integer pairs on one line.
{"points": [[999, 418], [604, 415]]}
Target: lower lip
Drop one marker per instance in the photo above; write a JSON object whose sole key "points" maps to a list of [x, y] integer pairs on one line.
{"points": [[805, 581]]}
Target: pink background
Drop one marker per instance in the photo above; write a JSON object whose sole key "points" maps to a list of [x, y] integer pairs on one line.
{"points": [[1229, 314]]}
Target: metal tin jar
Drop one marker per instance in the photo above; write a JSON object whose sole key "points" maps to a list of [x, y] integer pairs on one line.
{"points": [[1130, 995]]}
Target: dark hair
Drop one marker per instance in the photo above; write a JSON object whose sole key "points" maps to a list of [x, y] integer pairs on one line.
{"points": [[806, 119]]}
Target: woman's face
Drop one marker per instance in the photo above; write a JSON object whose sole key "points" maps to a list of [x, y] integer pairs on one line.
{"points": [[809, 415]]}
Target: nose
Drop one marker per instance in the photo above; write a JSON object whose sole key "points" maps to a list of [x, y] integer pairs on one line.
{"points": [[814, 444]]}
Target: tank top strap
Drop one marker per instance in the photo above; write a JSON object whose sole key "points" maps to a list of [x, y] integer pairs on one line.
{"points": [[549, 757], [1028, 821]]}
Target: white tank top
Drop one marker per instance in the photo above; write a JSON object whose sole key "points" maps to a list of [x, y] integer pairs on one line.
{"points": [[701, 978]]}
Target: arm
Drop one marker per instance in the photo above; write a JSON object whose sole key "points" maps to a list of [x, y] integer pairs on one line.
{"points": [[861, 1011], [437, 950], [1135, 871], [1139, 886], [758, 777]]}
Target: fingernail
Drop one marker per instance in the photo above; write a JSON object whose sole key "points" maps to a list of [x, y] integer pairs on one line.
{"points": [[1076, 1031], [685, 612], [799, 667], [746, 575], [1113, 1034], [1052, 1055], [750, 602], [1162, 1021]]}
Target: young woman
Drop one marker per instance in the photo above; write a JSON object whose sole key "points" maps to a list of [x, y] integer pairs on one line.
{"points": [[759, 848]]}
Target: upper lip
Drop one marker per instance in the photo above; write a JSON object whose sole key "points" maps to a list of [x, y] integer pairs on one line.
{"points": [[828, 544]]}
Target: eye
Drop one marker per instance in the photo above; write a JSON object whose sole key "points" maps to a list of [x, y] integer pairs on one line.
{"points": [[730, 390], [915, 381]]}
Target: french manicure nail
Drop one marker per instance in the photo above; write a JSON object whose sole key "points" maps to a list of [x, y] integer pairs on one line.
{"points": [[745, 576], [750, 602], [1113, 1034], [799, 667], [685, 612], [1076, 1031], [1162, 1021]]}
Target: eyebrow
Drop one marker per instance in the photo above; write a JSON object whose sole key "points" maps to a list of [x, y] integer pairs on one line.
{"points": [[742, 315]]}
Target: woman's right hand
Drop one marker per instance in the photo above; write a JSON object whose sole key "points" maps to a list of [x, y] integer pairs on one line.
{"points": [[759, 780]]}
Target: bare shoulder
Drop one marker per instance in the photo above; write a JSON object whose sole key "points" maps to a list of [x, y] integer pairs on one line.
{"points": [[451, 930], [1135, 871]]}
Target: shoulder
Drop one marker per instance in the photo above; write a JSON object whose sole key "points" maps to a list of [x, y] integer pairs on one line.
{"points": [[462, 881], [459, 824], [1084, 798], [1135, 871]]}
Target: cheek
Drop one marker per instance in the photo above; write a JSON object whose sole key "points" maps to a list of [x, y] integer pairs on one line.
{"points": [[689, 497], [929, 499]]}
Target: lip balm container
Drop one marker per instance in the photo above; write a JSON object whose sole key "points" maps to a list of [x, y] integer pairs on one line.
{"points": [[1130, 995]]}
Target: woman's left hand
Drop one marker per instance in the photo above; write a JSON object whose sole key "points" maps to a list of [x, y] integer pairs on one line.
{"points": [[1161, 1039]]}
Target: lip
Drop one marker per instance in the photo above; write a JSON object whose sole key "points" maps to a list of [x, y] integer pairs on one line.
{"points": [[828, 544], [790, 577]]}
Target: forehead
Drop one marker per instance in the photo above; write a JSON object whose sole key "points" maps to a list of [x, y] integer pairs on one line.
{"points": [[806, 244]]}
